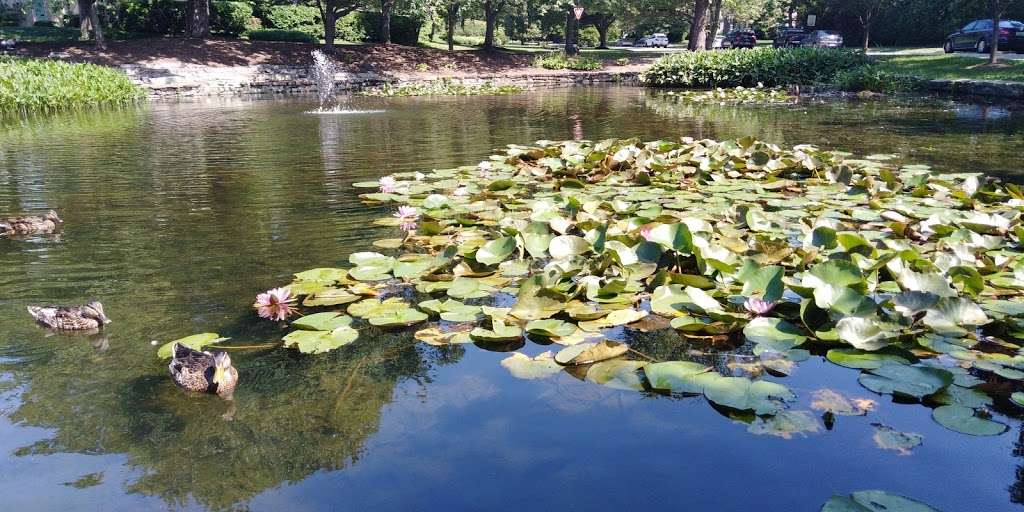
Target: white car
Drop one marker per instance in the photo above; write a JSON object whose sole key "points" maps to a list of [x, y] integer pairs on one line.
{"points": [[655, 40]]}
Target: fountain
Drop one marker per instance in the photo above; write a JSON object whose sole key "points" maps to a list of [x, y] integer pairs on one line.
{"points": [[323, 72]]}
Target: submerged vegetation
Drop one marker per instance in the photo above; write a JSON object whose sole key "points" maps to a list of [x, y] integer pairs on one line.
{"points": [[912, 278], [45, 85], [736, 95], [443, 87]]}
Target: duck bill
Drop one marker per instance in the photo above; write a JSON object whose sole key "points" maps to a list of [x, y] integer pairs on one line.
{"points": [[218, 376]]}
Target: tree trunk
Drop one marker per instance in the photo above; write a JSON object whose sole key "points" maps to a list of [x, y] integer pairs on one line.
{"points": [[197, 18], [385, 20], [489, 17], [865, 23], [993, 57], [433, 26], [97, 30], [716, 18], [84, 20], [698, 27], [602, 23], [330, 29], [453, 11], [570, 33]]}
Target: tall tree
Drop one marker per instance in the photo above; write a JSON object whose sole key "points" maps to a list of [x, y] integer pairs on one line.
{"points": [[713, 23], [386, 7], [197, 18], [450, 19], [698, 25], [89, 20]]}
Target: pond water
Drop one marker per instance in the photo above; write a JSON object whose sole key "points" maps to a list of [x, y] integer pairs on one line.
{"points": [[176, 215]]}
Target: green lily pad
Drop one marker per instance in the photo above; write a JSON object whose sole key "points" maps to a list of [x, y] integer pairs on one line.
{"points": [[888, 438], [550, 328], [617, 374], [962, 419], [740, 393], [785, 424], [874, 501], [859, 359], [498, 332], [496, 251], [318, 342], [903, 380], [679, 376], [326, 321], [194, 342]]}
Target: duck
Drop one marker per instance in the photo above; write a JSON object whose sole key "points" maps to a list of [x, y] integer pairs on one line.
{"points": [[30, 225], [87, 317], [203, 372]]}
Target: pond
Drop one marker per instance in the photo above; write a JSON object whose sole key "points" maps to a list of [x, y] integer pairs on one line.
{"points": [[177, 215]]}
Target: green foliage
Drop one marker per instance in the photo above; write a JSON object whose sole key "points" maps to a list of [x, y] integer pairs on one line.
{"points": [[39, 34], [124, 19], [230, 18], [767, 66], [404, 29], [558, 60], [273, 34], [876, 79], [952, 67], [44, 85], [300, 18], [443, 87], [589, 37]]}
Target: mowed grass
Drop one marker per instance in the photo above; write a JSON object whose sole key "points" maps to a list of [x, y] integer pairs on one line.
{"points": [[40, 34], [953, 67]]}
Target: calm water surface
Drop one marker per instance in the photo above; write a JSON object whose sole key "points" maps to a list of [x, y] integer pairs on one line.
{"points": [[178, 214]]}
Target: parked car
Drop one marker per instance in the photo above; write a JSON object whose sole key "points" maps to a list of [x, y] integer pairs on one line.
{"points": [[823, 39], [977, 35], [740, 39], [655, 40], [717, 43], [789, 37]]}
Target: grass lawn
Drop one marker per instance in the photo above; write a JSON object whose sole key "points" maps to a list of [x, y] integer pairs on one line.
{"points": [[40, 34], [952, 66]]}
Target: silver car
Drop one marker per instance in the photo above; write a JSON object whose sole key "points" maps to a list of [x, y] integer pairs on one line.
{"points": [[822, 39]]}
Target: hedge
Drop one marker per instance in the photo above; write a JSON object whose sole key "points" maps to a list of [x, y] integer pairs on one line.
{"points": [[231, 18], [768, 66], [357, 26]]}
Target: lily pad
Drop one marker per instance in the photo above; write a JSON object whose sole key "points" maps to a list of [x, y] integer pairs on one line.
{"points": [[194, 342], [740, 393], [524, 367], [590, 352], [903, 380], [962, 419]]}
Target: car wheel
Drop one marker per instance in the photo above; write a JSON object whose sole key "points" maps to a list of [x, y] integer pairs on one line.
{"points": [[982, 46]]}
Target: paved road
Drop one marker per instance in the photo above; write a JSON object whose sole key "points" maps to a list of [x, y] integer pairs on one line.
{"points": [[938, 51]]}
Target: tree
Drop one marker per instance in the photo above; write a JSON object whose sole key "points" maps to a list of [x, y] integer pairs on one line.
{"points": [[698, 25], [386, 6], [197, 18], [865, 11], [716, 19], [331, 11], [451, 17], [89, 20]]}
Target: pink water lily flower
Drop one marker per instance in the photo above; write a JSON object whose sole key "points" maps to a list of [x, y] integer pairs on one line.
{"points": [[275, 304], [758, 306], [461, 191], [646, 233], [407, 213], [408, 226], [419, 176], [387, 184]]}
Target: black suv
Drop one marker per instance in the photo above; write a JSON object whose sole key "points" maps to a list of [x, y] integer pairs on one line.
{"points": [[977, 35], [789, 37], [740, 39]]}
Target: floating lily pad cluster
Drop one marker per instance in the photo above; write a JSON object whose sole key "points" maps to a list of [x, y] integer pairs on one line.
{"points": [[735, 95], [442, 87], [913, 278]]}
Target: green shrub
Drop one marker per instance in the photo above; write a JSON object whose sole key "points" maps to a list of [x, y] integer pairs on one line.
{"points": [[872, 78], [768, 66], [44, 23], [275, 34], [46, 85], [404, 29], [296, 18], [558, 60], [589, 37], [123, 19], [230, 18]]}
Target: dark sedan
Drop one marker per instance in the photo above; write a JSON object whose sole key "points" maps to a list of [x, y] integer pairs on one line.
{"points": [[789, 38], [977, 35], [740, 39]]}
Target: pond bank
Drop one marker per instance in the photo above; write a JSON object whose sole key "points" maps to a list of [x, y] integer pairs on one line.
{"points": [[200, 80]]}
